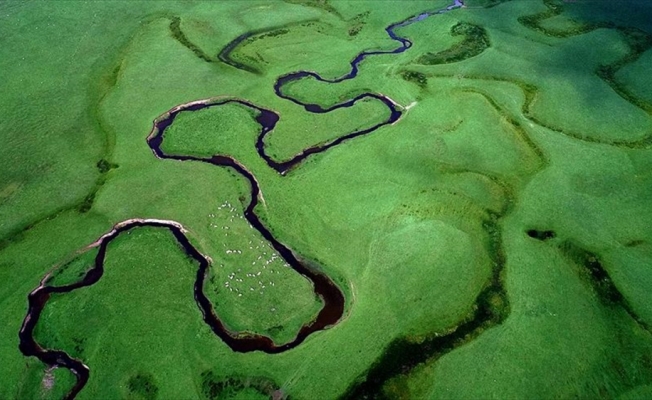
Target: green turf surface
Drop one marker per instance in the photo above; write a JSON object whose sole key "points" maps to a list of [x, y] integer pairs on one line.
{"points": [[514, 192], [211, 131]]}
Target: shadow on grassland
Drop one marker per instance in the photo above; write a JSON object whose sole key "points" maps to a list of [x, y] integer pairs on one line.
{"points": [[588, 17]]}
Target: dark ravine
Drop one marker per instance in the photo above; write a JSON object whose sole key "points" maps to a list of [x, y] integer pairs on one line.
{"points": [[324, 287]]}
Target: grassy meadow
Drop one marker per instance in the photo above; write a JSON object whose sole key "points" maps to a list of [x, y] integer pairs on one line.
{"points": [[495, 242]]}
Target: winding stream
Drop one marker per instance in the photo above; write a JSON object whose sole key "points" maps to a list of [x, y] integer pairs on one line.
{"points": [[324, 287]]}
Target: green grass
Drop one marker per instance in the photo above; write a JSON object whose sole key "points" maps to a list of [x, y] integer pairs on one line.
{"points": [[252, 288], [209, 131], [286, 140], [423, 224], [545, 325], [23, 265], [34, 186]]}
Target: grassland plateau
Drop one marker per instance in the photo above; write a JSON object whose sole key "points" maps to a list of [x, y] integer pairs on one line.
{"points": [[326, 199]]}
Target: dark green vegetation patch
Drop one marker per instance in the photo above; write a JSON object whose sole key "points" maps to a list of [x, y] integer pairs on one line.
{"points": [[474, 41], [415, 77], [216, 387], [142, 386]]}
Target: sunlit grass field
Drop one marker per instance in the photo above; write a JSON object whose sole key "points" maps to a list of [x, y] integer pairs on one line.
{"points": [[512, 197]]}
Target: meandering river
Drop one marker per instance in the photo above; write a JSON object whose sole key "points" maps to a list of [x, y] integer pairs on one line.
{"points": [[324, 287]]}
